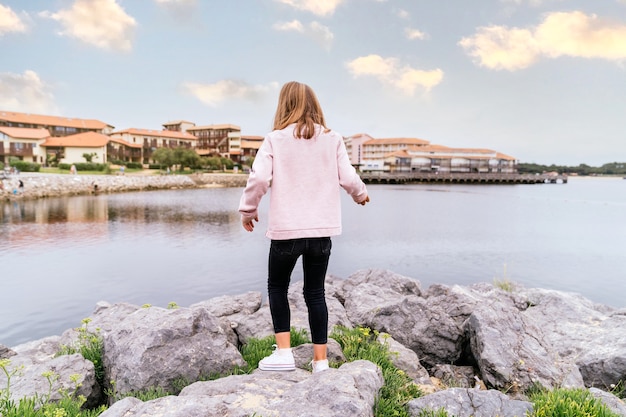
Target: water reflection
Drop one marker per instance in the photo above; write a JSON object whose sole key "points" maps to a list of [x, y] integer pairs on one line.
{"points": [[36, 222], [59, 257], [55, 210]]}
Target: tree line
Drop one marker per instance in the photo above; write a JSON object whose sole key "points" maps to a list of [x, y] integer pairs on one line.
{"points": [[612, 168], [184, 157]]}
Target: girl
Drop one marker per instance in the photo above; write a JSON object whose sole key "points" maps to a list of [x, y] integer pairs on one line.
{"points": [[306, 163]]}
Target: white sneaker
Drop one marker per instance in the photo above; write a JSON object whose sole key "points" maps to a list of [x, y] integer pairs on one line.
{"points": [[279, 360], [319, 366]]}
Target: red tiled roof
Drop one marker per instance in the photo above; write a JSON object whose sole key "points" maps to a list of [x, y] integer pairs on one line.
{"points": [[395, 141], [215, 127], [177, 122], [251, 144], [123, 142], [80, 140], [25, 132], [36, 119], [169, 134]]}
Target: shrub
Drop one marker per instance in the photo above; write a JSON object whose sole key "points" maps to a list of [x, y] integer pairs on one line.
{"points": [[568, 402], [84, 166], [134, 165], [24, 166], [362, 343]]}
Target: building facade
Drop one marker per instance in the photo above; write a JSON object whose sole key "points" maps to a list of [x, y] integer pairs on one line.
{"points": [[71, 149], [23, 143], [213, 140], [56, 125], [149, 141], [418, 155]]}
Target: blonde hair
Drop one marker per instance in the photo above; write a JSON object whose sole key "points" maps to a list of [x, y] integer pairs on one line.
{"points": [[298, 104]]}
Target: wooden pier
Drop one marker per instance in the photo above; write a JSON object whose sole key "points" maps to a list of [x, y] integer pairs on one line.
{"points": [[459, 178]]}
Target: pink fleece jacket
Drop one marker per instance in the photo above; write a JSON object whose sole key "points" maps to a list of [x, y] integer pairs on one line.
{"points": [[305, 176]]}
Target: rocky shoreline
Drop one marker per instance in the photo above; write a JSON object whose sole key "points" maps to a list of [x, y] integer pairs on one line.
{"points": [[38, 185], [473, 350]]}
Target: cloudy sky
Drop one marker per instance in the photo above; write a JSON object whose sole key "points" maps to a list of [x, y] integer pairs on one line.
{"points": [[541, 80]]}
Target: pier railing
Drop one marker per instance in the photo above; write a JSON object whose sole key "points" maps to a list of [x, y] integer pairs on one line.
{"points": [[460, 178]]}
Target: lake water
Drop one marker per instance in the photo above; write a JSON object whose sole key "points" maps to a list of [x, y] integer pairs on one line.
{"points": [[59, 257]]}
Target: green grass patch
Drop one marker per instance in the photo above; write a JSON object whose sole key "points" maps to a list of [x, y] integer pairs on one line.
{"points": [[568, 402], [399, 389], [257, 349]]}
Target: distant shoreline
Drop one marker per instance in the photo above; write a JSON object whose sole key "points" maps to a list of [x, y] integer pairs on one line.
{"points": [[37, 185]]}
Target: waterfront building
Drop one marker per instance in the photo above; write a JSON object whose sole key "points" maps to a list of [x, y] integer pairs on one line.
{"points": [[178, 125], [22, 143], [70, 149], [214, 140], [56, 125], [418, 155], [149, 141], [250, 145]]}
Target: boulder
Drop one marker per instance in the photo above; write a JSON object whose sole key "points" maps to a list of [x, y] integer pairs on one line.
{"points": [[591, 335], [613, 403], [154, 347], [512, 353], [6, 352], [350, 390], [396, 309], [50, 378], [463, 402], [405, 359]]}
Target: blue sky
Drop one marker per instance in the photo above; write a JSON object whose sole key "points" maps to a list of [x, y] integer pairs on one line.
{"points": [[541, 80]]}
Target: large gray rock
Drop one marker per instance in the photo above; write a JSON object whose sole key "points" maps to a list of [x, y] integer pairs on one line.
{"points": [[5, 352], [348, 391], [231, 310], [104, 317], [389, 303], [154, 347], [258, 324], [405, 359], [511, 352], [462, 402], [613, 403], [591, 335], [398, 284], [51, 377]]}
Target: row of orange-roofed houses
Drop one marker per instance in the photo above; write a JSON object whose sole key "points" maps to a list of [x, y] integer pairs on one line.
{"points": [[42, 138]]}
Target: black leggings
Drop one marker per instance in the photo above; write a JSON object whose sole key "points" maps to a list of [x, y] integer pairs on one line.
{"points": [[282, 259]]}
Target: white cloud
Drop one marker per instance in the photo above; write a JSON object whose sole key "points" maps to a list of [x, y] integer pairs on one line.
{"points": [[389, 71], [102, 23], [411, 33], [181, 9], [572, 34], [314, 30], [10, 21], [294, 25], [25, 93], [321, 34], [213, 94], [318, 7], [402, 14], [182, 3]]}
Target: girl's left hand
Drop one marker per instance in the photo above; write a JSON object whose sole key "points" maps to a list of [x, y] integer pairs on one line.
{"points": [[248, 222]]}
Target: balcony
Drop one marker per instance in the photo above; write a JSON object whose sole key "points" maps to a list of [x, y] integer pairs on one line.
{"points": [[16, 149]]}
